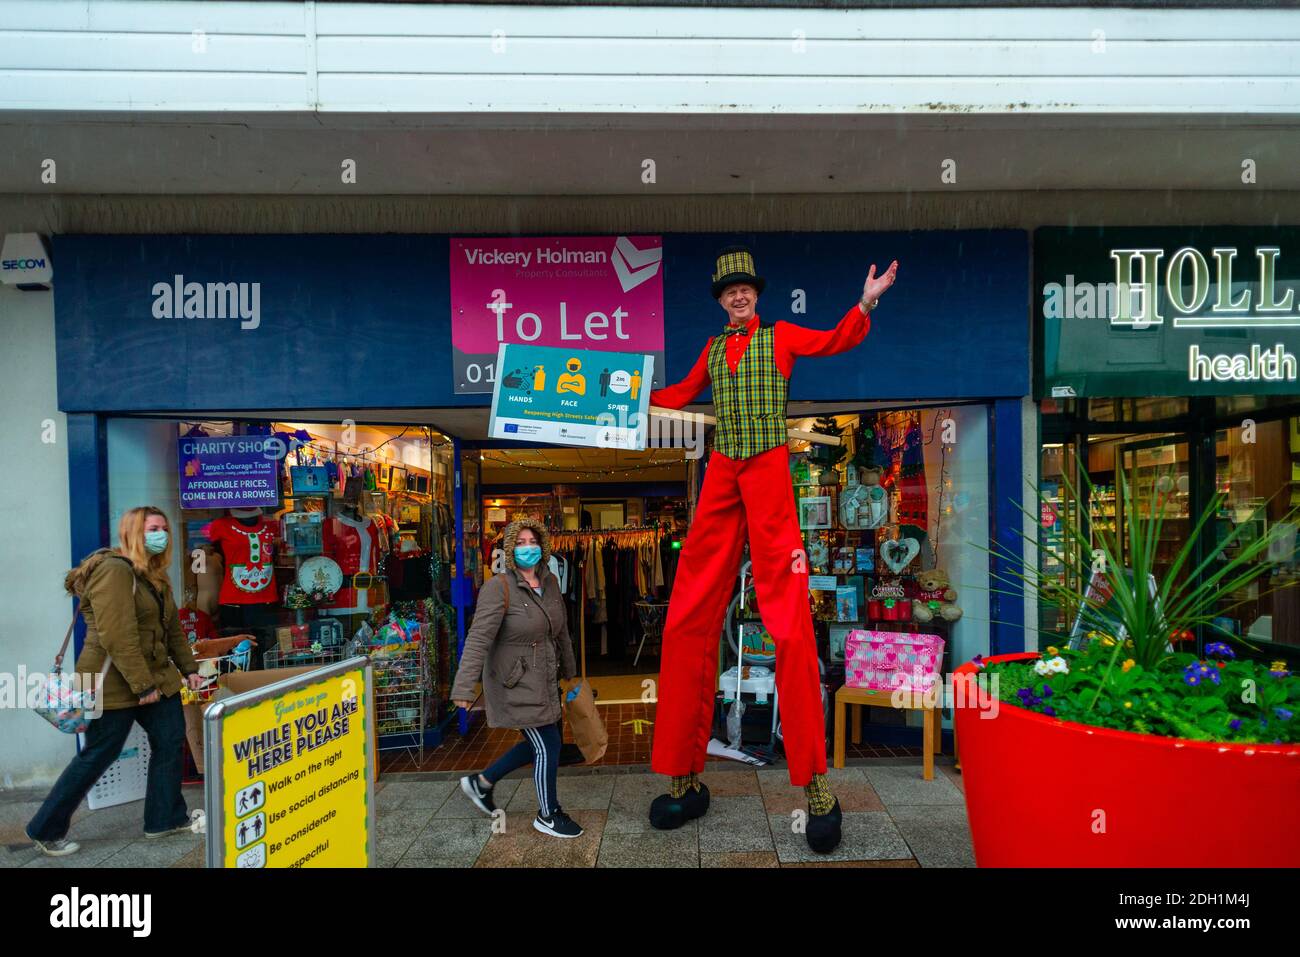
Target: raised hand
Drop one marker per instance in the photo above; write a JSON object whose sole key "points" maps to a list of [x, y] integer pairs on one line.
{"points": [[876, 286]]}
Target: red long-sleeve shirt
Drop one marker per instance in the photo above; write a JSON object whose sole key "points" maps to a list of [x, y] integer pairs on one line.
{"points": [[788, 341]]}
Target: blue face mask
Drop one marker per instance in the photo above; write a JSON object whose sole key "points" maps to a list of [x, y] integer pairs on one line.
{"points": [[526, 556], [155, 543]]}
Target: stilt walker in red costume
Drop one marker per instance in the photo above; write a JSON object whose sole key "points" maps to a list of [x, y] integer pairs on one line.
{"points": [[747, 494]]}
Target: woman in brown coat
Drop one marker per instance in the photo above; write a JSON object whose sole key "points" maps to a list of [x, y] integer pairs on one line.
{"points": [[132, 625], [519, 646]]}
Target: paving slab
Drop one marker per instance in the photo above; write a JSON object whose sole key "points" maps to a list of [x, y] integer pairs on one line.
{"points": [[452, 842], [906, 786], [162, 852], [522, 845], [586, 793], [650, 848], [938, 836], [866, 836], [414, 794], [735, 824]]}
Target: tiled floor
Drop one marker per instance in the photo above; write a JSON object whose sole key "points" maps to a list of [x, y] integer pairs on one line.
{"points": [[630, 726], [892, 818]]}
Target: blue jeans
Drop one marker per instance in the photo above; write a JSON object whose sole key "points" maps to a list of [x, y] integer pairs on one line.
{"points": [[541, 747], [164, 805]]}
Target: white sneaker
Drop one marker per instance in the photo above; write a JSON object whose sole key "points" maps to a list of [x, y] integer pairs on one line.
{"points": [[186, 828], [558, 824], [60, 848], [480, 796]]}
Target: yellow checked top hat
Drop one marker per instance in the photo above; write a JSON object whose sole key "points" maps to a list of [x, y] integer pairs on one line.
{"points": [[735, 264]]}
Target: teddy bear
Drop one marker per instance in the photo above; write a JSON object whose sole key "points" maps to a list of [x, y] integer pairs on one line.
{"points": [[936, 595]]}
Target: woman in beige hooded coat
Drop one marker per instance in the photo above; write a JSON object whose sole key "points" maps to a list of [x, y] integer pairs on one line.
{"points": [[133, 635], [519, 646]]}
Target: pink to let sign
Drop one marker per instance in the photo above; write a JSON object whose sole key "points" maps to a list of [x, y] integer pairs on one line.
{"points": [[581, 292]]}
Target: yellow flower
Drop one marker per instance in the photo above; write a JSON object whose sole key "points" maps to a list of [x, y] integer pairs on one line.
{"points": [[1053, 651], [1128, 704], [1277, 666], [1128, 664], [1107, 641], [1129, 643]]}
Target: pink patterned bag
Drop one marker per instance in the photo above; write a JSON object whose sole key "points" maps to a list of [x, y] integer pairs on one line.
{"points": [[889, 660]]}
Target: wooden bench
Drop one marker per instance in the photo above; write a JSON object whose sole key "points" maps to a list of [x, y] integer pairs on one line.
{"points": [[858, 697]]}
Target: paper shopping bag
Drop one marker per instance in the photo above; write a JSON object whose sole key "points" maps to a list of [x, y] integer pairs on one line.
{"points": [[586, 723]]}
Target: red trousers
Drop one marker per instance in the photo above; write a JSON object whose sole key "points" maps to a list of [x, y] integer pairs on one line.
{"points": [[740, 497]]}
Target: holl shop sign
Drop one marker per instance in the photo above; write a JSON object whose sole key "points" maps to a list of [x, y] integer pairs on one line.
{"points": [[1129, 312]]}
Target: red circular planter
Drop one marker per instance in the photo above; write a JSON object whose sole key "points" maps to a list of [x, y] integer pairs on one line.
{"points": [[1041, 792]]}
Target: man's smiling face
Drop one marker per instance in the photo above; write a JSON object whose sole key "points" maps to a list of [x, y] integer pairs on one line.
{"points": [[739, 299]]}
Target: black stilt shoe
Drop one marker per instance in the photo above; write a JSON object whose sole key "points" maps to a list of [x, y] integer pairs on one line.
{"points": [[823, 832], [668, 813]]}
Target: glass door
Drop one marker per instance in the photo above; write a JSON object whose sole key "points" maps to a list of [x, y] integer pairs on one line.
{"points": [[1059, 507], [1159, 475]]}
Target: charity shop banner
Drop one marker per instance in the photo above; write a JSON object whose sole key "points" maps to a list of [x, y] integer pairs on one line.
{"points": [[230, 471]]}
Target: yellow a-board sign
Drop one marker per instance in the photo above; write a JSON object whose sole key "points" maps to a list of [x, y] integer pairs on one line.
{"points": [[290, 772]]}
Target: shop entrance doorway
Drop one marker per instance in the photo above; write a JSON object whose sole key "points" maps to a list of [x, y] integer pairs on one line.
{"points": [[616, 520]]}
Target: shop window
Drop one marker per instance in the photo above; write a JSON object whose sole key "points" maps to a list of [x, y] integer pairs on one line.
{"points": [[1059, 487], [1225, 405], [895, 524], [1258, 472], [314, 541], [1141, 409], [1156, 467]]}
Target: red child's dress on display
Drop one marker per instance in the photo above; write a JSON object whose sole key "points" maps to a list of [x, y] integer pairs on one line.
{"points": [[250, 563]]}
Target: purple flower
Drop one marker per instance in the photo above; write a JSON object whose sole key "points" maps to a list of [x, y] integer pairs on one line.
{"points": [[1282, 713], [1220, 649], [1279, 674], [1214, 675], [1047, 691], [1049, 711], [978, 661], [1192, 678]]}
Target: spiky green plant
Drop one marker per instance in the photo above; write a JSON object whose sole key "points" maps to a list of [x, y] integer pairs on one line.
{"points": [[1130, 674], [1190, 593]]}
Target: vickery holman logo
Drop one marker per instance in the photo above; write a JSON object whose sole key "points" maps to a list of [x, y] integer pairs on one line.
{"points": [[179, 299]]}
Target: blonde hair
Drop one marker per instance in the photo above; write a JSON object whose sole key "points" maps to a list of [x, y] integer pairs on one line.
{"points": [[130, 537]]}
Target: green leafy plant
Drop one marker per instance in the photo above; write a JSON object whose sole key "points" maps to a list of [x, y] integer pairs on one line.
{"points": [[1218, 698], [1130, 613]]}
